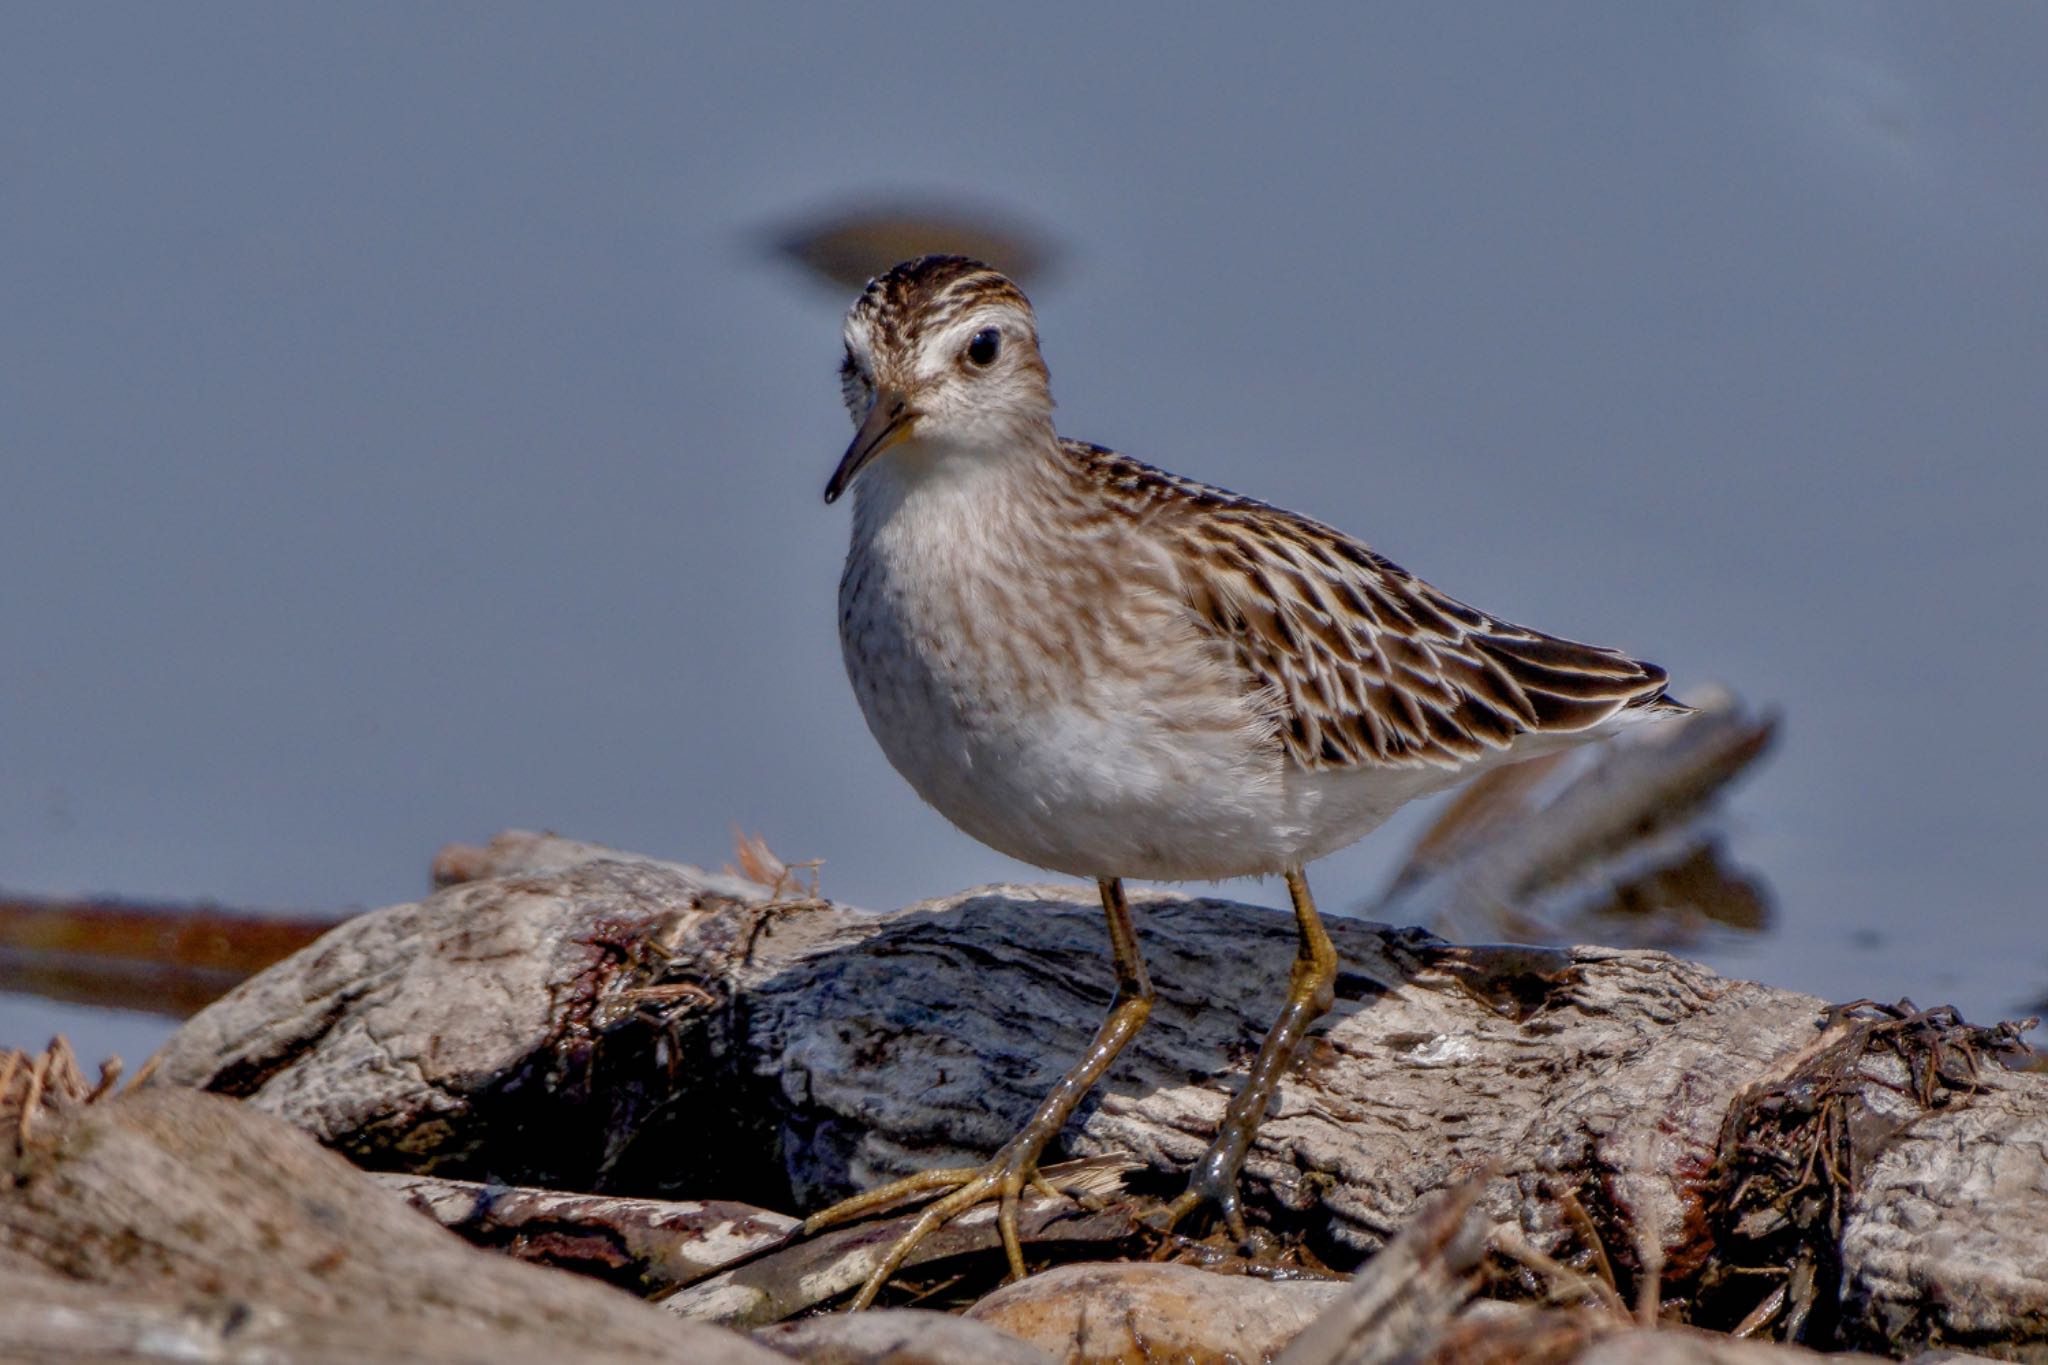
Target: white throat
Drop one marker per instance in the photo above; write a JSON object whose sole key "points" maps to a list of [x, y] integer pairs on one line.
{"points": [[927, 474]]}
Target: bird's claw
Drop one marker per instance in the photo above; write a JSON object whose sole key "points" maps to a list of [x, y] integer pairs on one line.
{"points": [[1223, 1198], [1005, 1178]]}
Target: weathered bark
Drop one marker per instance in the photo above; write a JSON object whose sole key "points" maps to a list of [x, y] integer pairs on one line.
{"points": [[173, 1225], [902, 1336], [1405, 1306], [599, 1022], [47, 1318], [1944, 1241], [531, 1029], [644, 1245]]}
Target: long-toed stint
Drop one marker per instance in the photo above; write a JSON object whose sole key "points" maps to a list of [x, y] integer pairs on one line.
{"points": [[1111, 671]]}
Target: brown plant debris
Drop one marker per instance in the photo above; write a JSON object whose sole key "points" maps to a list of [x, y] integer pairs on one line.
{"points": [[36, 1085], [754, 860], [1794, 1150]]}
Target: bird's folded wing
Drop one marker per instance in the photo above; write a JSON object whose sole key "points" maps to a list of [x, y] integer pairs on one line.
{"points": [[1364, 663]]}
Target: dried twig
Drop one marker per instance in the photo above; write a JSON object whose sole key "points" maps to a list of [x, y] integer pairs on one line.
{"points": [[34, 1084], [785, 880], [1565, 1282]]}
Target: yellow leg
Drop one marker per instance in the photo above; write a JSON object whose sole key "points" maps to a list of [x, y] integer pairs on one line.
{"points": [[1016, 1165], [1311, 990]]}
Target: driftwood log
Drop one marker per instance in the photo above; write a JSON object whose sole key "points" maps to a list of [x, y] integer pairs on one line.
{"points": [[575, 1018], [169, 1225]]}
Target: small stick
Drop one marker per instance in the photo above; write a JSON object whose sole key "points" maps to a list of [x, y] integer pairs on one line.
{"points": [[1508, 1242]]}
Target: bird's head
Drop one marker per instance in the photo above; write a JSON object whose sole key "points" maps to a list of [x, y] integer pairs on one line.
{"points": [[941, 362]]}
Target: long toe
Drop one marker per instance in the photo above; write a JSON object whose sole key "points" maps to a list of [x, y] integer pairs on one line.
{"points": [[1003, 1179], [888, 1196]]}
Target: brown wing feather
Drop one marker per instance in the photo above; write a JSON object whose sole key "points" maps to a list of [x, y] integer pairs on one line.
{"points": [[1363, 662]]}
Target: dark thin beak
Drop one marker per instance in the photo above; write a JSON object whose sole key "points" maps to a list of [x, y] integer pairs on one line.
{"points": [[888, 422]]}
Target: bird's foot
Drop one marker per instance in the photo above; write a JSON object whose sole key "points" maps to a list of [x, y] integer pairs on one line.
{"points": [[1204, 1189], [1013, 1170]]}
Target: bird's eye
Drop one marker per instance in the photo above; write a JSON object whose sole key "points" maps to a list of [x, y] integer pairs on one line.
{"points": [[982, 349]]}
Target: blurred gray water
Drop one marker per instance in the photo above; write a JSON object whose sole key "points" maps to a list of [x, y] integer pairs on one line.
{"points": [[404, 435]]}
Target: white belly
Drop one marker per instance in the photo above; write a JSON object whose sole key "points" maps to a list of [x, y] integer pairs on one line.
{"points": [[1063, 786]]}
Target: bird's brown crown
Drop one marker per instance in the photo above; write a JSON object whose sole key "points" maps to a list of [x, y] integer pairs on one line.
{"points": [[931, 292]]}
